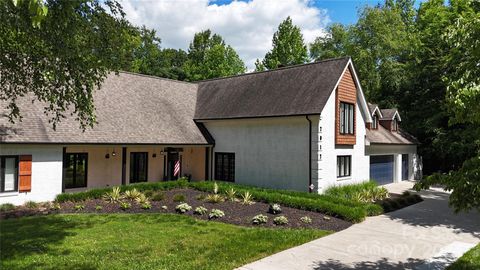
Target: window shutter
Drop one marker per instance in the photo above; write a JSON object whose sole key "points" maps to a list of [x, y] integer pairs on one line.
{"points": [[25, 173]]}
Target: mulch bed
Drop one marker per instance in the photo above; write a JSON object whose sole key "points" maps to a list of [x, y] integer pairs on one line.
{"points": [[235, 212]]}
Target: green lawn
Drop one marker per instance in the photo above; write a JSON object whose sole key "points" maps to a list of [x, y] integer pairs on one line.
{"points": [[137, 241], [469, 260]]}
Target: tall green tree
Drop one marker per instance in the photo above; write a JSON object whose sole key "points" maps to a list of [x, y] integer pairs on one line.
{"points": [[288, 47], [59, 52], [209, 57]]}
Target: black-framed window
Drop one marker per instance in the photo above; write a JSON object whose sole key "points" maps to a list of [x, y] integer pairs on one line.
{"points": [[138, 167], [76, 170], [347, 118], [8, 173], [344, 166], [225, 166]]}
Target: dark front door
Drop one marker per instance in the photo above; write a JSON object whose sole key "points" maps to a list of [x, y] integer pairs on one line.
{"points": [[138, 167], [172, 159], [405, 167]]}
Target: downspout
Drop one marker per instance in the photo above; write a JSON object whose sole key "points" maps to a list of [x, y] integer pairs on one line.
{"points": [[310, 185]]}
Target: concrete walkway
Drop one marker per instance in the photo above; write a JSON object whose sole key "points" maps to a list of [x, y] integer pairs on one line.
{"points": [[427, 235]]}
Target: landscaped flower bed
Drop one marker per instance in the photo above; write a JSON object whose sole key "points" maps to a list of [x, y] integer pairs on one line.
{"points": [[235, 211]]}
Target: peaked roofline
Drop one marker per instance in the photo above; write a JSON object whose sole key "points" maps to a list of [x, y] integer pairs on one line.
{"points": [[275, 70]]}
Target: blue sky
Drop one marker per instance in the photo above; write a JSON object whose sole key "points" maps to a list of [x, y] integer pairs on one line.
{"points": [[246, 25]]}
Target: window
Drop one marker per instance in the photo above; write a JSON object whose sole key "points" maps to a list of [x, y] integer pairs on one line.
{"points": [[8, 173], [225, 166], [374, 122], [394, 124], [138, 167], [76, 170], [346, 118], [344, 166]]}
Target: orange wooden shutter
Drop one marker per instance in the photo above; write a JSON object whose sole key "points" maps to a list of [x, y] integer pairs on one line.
{"points": [[25, 173]]}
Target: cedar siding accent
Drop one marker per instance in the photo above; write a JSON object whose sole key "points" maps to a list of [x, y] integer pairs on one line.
{"points": [[345, 92], [386, 124], [25, 173]]}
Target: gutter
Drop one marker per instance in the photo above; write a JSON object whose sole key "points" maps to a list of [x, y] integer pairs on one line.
{"points": [[310, 184]]}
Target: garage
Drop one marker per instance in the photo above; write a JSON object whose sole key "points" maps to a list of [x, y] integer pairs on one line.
{"points": [[381, 169]]}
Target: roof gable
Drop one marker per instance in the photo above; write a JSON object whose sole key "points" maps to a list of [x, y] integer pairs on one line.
{"points": [[296, 90]]}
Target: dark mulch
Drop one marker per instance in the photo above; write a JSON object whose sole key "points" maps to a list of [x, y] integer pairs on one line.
{"points": [[235, 212]]}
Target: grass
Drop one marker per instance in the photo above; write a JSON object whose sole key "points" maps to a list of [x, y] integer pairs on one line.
{"points": [[137, 241], [469, 260], [340, 207]]}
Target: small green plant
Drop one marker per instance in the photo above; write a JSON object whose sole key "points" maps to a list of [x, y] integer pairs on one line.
{"points": [[281, 220], [98, 208], [247, 198], [141, 199], [259, 219], [132, 194], [113, 196], [146, 205], [231, 194], [183, 208], [216, 213], [55, 206], [200, 210], [179, 198], [6, 207], [31, 204], [125, 205], [79, 207], [158, 196], [214, 198], [274, 209], [306, 220], [164, 207], [200, 197], [148, 193]]}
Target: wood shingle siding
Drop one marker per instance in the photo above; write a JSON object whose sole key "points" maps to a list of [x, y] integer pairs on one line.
{"points": [[346, 92]]}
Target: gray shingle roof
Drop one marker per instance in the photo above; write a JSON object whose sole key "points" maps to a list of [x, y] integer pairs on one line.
{"points": [[296, 90], [388, 113], [130, 109], [384, 136]]}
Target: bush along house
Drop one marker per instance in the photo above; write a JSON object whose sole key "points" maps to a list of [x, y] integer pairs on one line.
{"points": [[304, 127]]}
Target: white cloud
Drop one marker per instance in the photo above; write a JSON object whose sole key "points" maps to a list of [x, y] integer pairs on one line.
{"points": [[247, 26]]}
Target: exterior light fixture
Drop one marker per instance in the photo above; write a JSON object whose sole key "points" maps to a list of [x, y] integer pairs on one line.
{"points": [[113, 153], [107, 155], [154, 155]]}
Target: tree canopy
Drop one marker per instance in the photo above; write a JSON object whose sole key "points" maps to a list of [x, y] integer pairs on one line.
{"points": [[288, 48]]}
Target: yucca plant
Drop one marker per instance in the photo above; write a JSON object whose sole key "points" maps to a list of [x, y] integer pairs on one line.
{"points": [[231, 194], [125, 205], [113, 196], [146, 205], [141, 199], [132, 194], [247, 198]]}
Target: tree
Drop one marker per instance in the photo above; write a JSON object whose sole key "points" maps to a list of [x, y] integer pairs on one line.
{"points": [[59, 52], [288, 47], [209, 57]]}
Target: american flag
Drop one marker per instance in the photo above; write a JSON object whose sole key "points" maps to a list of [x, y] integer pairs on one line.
{"points": [[176, 170]]}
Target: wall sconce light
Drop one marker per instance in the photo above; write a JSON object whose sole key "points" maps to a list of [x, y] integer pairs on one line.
{"points": [[107, 155], [163, 153], [154, 155], [113, 153]]}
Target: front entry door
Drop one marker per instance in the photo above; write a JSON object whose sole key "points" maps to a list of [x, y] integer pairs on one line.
{"points": [[138, 167], [172, 159]]}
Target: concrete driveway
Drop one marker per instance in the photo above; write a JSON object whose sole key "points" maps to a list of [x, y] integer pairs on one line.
{"points": [[427, 235]]}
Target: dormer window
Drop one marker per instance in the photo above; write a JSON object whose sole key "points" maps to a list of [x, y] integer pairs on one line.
{"points": [[375, 122], [394, 124]]}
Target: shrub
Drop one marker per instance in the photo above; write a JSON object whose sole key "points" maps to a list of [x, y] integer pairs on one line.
{"points": [[31, 204], [183, 208], [99, 208], [55, 206], [247, 198], [79, 207], [146, 205], [281, 220], [158, 196], [365, 192], [216, 213], [274, 209], [259, 219], [125, 205], [148, 193], [214, 198], [6, 207], [306, 220], [141, 199], [231, 194], [200, 210], [113, 196], [132, 194], [179, 198]]}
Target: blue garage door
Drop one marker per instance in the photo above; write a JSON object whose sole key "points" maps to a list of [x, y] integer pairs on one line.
{"points": [[381, 169]]}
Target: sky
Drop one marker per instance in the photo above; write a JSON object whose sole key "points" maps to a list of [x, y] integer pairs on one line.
{"points": [[246, 25]]}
